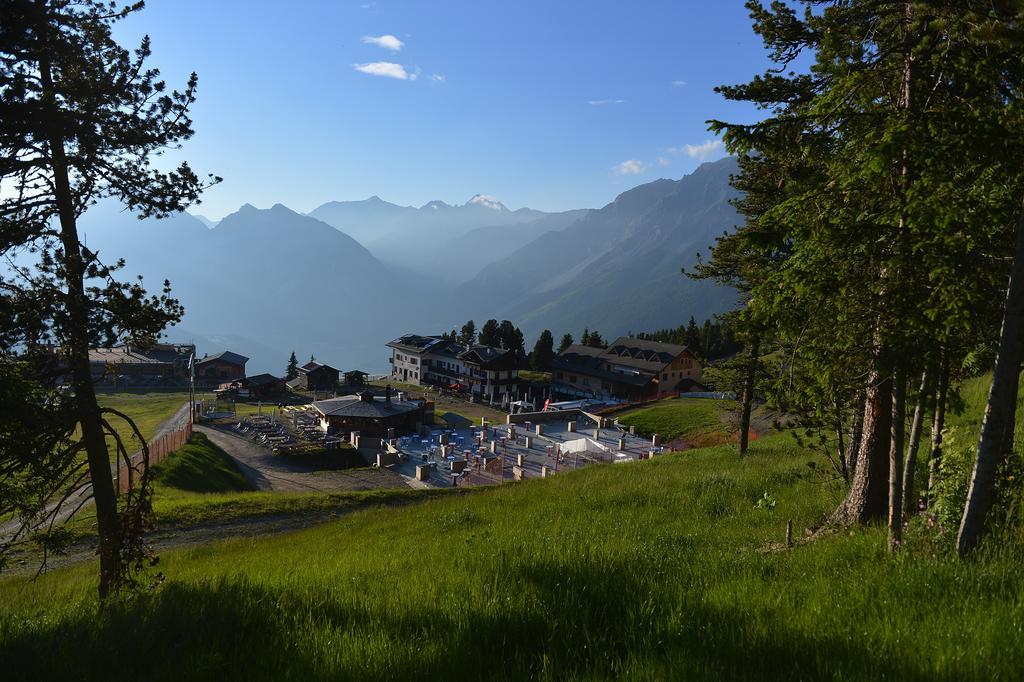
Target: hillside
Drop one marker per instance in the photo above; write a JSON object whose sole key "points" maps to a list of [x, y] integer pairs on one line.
{"points": [[655, 570], [617, 269]]}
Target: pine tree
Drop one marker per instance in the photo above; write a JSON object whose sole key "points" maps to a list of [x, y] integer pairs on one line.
{"points": [[292, 370], [83, 119], [490, 334], [543, 351], [467, 335], [874, 190], [566, 341]]}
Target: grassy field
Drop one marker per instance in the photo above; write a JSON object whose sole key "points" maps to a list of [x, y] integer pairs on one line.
{"points": [[668, 569], [531, 375], [656, 570], [147, 409], [198, 468], [697, 420]]}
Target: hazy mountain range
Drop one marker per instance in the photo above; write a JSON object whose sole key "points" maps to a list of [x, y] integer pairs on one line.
{"points": [[350, 276]]}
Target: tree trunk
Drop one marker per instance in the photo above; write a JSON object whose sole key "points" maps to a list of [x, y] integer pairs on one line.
{"points": [[896, 426], [938, 423], [916, 426], [844, 470], [999, 411], [77, 355], [748, 395], [868, 496], [1011, 426], [856, 433]]}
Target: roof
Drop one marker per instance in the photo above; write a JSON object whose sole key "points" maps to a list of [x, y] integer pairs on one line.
{"points": [[638, 360], [591, 362], [355, 371], [650, 356], [124, 355], [355, 406], [415, 342], [263, 380], [484, 354], [314, 365], [225, 356]]}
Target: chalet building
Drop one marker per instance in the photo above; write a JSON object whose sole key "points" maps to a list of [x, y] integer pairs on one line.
{"points": [[159, 363], [258, 387], [220, 368], [629, 369], [486, 371], [354, 378], [315, 376], [370, 415]]}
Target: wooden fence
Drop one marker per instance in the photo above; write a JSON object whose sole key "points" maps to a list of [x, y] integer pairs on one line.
{"points": [[159, 449]]}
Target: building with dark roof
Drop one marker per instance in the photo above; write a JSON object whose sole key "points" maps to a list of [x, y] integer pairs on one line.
{"points": [[160, 362], [220, 367], [628, 369], [315, 376], [258, 387], [369, 415], [434, 361]]}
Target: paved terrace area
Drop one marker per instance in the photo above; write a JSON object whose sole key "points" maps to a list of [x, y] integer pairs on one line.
{"points": [[556, 449]]}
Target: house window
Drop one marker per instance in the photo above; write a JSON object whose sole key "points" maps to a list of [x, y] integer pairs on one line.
{"points": [[664, 377], [586, 382], [572, 378], [559, 375]]}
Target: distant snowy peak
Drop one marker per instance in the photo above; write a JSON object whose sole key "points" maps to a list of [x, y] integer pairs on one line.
{"points": [[486, 201], [435, 205]]}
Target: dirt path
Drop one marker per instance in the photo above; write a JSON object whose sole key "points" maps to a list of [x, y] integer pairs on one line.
{"points": [[179, 537], [281, 473]]}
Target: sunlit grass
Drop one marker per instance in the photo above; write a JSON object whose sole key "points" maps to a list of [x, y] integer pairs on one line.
{"points": [[655, 570], [691, 418]]}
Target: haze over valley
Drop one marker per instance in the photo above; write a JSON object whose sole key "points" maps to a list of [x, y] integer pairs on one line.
{"points": [[350, 276]]}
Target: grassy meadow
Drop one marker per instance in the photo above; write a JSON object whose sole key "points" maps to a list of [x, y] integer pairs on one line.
{"points": [[698, 420], [655, 570], [673, 568], [147, 409]]}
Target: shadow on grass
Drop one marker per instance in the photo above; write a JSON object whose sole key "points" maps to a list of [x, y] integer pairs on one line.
{"points": [[587, 619]]}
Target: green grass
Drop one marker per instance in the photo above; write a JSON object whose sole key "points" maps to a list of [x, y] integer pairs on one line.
{"points": [[530, 375], [147, 410], [666, 569], [198, 467], [201, 484], [654, 570], [191, 510], [690, 418]]}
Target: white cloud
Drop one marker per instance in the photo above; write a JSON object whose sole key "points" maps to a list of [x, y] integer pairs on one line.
{"points": [[630, 167], [601, 102], [703, 151], [662, 161], [386, 69], [439, 77], [387, 41], [678, 84], [368, 5]]}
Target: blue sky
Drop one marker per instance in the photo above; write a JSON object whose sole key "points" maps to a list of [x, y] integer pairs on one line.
{"points": [[552, 105]]}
